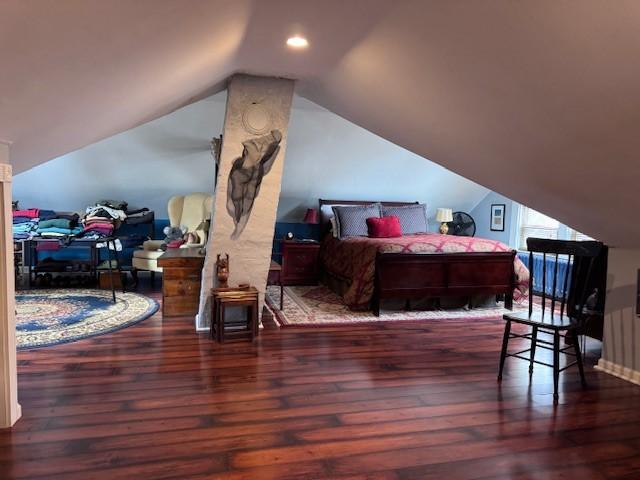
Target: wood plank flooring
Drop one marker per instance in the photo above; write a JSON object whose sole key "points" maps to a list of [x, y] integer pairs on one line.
{"points": [[382, 402]]}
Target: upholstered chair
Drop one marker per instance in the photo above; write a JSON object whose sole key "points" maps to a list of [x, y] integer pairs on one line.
{"points": [[189, 212]]}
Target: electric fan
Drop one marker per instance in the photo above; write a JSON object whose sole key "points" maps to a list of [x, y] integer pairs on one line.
{"points": [[462, 225]]}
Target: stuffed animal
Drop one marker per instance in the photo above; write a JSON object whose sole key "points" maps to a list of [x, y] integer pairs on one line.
{"points": [[191, 237], [173, 237]]}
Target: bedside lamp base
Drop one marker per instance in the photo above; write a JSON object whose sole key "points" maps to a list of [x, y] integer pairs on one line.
{"points": [[444, 228]]}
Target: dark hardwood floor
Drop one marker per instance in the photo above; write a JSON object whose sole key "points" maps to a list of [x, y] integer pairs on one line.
{"points": [[390, 401]]}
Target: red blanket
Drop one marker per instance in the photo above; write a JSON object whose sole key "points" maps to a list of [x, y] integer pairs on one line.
{"points": [[354, 258]]}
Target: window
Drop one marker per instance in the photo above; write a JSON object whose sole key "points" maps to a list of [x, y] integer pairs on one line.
{"points": [[576, 235], [539, 225], [536, 224]]}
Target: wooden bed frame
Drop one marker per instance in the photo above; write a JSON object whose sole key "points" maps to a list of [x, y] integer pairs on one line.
{"points": [[419, 275]]}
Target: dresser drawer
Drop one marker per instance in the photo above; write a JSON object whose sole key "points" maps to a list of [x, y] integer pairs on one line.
{"points": [[181, 274], [180, 306], [180, 287], [299, 263]]}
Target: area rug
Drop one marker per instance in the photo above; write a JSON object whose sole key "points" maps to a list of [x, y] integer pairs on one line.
{"points": [[317, 305], [51, 317]]}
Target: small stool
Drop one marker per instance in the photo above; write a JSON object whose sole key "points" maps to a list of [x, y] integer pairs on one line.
{"points": [[223, 298]]}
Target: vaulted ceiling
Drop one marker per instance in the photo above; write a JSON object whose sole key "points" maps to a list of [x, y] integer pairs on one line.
{"points": [[536, 100]]}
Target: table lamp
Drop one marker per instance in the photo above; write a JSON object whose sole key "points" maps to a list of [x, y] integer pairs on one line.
{"points": [[444, 215], [311, 216]]}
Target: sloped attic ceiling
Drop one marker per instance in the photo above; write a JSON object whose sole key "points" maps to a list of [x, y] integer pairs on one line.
{"points": [[536, 100]]}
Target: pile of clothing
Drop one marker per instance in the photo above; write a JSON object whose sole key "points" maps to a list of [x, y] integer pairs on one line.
{"points": [[103, 218], [100, 221], [25, 223], [59, 224]]}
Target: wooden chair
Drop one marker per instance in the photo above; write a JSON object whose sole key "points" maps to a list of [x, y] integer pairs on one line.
{"points": [[547, 319]]}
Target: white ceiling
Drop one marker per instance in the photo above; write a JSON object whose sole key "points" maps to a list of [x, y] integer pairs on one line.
{"points": [[536, 100]]}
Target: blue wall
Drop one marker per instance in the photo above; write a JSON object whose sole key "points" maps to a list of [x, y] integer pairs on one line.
{"points": [[124, 256], [482, 216], [299, 230]]}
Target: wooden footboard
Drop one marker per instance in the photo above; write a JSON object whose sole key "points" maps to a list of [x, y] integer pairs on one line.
{"points": [[411, 275]]}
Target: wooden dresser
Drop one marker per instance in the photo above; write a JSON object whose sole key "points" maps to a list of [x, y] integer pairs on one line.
{"points": [[181, 277]]}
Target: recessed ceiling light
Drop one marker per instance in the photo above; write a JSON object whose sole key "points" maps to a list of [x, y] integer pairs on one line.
{"points": [[297, 42]]}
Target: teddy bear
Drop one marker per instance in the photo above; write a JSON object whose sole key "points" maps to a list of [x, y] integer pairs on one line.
{"points": [[173, 237]]}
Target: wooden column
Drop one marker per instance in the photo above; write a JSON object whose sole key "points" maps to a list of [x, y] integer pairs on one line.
{"points": [[9, 407], [248, 183]]}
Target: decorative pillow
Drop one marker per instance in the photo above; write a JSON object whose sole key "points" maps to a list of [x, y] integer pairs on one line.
{"points": [[413, 218], [385, 227], [352, 221], [334, 227]]}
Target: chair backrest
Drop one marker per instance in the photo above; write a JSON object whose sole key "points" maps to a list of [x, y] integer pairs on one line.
{"points": [[554, 254], [189, 210]]}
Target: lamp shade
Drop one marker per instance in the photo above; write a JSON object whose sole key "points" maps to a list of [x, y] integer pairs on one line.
{"points": [[311, 216], [444, 215]]}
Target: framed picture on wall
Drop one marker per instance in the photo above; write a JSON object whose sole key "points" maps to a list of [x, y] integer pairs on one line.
{"points": [[497, 217]]}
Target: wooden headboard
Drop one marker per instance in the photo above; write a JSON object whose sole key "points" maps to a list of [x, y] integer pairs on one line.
{"points": [[326, 212]]}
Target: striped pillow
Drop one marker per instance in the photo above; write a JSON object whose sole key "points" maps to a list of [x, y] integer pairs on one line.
{"points": [[413, 218], [352, 221]]}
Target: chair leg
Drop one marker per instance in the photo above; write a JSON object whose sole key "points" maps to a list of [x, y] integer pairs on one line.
{"points": [[508, 301], [534, 342], [505, 344], [134, 276], [576, 348], [556, 364]]}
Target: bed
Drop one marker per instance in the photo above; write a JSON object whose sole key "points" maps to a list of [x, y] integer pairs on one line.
{"points": [[365, 271]]}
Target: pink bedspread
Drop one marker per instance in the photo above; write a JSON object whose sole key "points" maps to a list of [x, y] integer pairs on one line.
{"points": [[354, 258]]}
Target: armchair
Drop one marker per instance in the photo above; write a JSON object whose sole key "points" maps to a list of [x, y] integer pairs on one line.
{"points": [[189, 212]]}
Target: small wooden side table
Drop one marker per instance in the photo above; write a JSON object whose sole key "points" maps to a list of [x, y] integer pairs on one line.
{"points": [[275, 278], [223, 298]]}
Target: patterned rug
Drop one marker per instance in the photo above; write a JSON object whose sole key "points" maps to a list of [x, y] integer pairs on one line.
{"points": [[51, 317], [317, 305]]}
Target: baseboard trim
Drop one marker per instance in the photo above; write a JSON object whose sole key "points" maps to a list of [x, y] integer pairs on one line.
{"points": [[625, 373], [199, 329]]}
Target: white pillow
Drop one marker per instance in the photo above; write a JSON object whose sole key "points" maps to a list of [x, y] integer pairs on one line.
{"points": [[334, 227]]}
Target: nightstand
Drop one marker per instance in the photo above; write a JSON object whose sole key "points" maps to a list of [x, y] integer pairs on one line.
{"points": [[299, 262]]}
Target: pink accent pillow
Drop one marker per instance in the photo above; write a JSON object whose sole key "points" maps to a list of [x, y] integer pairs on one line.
{"points": [[175, 243], [384, 227]]}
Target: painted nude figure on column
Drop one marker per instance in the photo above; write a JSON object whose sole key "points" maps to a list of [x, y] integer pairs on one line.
{"points": [[246, 176]]}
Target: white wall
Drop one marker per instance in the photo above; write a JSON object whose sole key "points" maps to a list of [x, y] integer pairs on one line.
{"points": [[621, 343], [482, 216], [330, 157], [327, 157], [144, 166], [10, 409]]}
